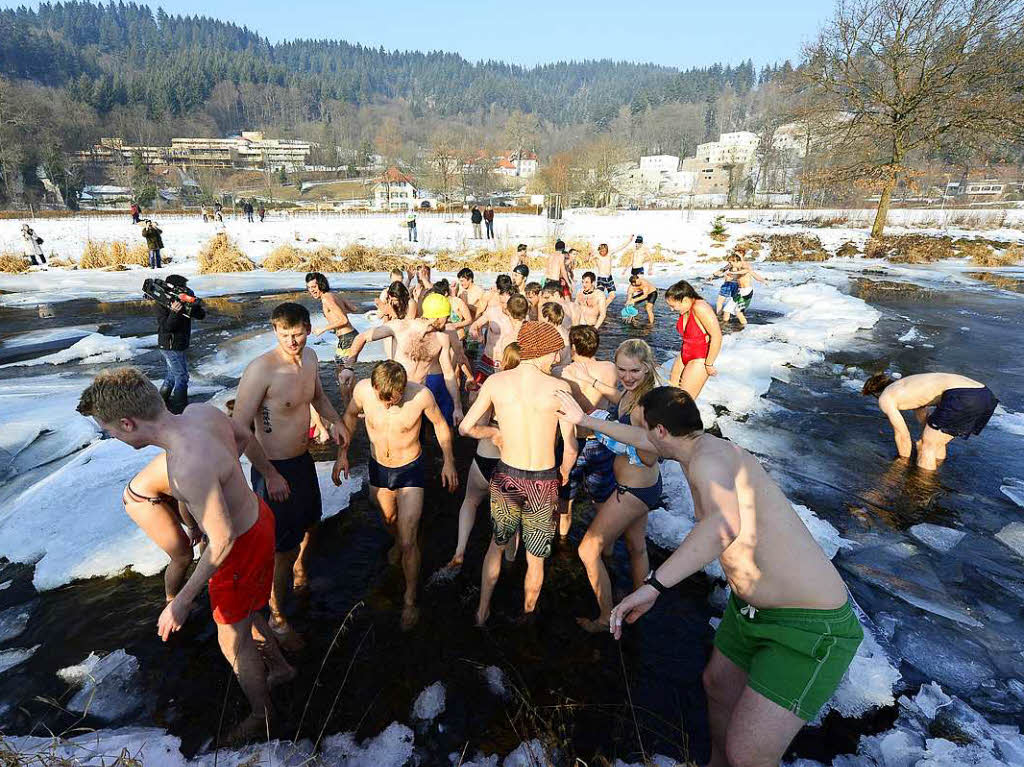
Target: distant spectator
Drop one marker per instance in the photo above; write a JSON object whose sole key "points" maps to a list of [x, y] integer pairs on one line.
{"points": [[411, 222], [32, 246], [218, 212], [154, 242], [489, 221], [475, 217], [263, 213], [247, 209], [136, 212]]}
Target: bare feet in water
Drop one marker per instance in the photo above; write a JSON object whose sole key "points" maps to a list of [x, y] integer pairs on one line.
{"points": [[592, 626], [251, 728], [286, 636], [410, 617]]}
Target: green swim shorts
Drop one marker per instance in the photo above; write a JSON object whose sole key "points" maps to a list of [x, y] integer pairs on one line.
{"points": [[795, 658]]}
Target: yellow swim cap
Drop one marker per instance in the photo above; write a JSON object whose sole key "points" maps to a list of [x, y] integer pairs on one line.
{"points": [[436, 306]]}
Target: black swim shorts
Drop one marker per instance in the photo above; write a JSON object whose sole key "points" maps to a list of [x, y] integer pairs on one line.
{"points": [[303, 507], [394, 478], [963, 412]]}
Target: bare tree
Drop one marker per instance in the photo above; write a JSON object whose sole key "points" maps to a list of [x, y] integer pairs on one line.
{"points": [[13, 119], [445, 162], [522, 132], [598, 160], [904, 74]]}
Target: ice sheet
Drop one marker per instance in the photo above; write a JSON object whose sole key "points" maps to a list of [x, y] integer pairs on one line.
{"points": [[497, 682], [15, 657], [937, 537], [1013, 489], [109, 688], [527, 754], [1013, 536], [14, 620]]}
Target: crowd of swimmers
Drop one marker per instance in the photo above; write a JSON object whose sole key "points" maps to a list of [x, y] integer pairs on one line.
{"points": [[518, 367]]}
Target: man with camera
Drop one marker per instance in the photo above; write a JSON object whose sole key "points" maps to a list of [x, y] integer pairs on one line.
{"points": [[174, 332]]}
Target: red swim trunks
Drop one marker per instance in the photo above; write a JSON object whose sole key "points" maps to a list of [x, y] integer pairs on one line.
{"points": [[242, 583]]}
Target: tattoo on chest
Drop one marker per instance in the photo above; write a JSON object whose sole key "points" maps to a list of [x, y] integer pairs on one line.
{"points": [[267, 428]]}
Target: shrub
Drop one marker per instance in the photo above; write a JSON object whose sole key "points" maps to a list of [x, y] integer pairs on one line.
{"points": [[13, 263], [796, 247], [220, 254]]}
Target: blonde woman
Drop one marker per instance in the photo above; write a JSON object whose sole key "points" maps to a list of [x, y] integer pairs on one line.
{"points": [[637, 482], [148, 501], [701, 338]]}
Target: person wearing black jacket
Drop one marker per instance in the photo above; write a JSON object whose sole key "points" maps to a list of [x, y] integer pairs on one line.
{"points": [[247, 209], [475, 217], [174, 331]]}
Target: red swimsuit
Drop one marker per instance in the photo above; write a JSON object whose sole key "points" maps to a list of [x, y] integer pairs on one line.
{"points": [[695, 341]]}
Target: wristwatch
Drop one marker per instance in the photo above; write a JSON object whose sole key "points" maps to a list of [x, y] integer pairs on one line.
{"points": [[650, 580]]}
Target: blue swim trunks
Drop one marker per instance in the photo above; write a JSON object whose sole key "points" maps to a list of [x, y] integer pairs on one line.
{"points": [[435, 382], [593, 469]]}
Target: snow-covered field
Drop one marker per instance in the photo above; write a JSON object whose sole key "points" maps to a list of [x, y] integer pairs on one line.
{"points": [[815, 315]]}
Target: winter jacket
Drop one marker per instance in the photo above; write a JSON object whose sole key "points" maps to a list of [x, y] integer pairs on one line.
{"points": [[173, 329], [488, 215], [34, 242], [153, 239], [475, 216]]}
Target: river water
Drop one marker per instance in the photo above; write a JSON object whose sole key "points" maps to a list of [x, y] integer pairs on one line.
{"points": [[954, 615]]}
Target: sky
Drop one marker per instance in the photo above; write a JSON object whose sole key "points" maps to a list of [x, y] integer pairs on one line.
{"points": [[678, 33]]}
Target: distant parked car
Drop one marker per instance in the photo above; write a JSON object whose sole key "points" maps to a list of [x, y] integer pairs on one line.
{"points": [[425, 205]]}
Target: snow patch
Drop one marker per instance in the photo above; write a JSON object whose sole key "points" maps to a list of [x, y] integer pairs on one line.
{"points": [[430, 703], [527, 754], [496, 680], [391, 748], [94, 349]]}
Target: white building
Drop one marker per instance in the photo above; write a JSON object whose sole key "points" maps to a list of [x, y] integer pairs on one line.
{"points": [[394, 190], [659, 163], [737, 148], [511, 164]]}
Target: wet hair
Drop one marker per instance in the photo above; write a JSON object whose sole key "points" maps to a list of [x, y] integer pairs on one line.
{"points": [[443, 287], [397, 273], [550, 290], [320, 280], [584, 340], [400, 294], [532, 287], [681, 291], [734, 257], [289, 315], [590, 276], [121, 393], [389, 380], [465, 273], [603, 245], [423, 267], [553, 313], [559, 246], [642, 353], [522, 269], [511, 357], [876, 384], [672, 408], [521, 247], [634, 279], [504, 285], [518, 307]]}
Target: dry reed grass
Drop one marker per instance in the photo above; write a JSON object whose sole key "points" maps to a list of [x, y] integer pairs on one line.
{"points": [[114, 255], [283, 258], [796, 247], [848, 250], [220, 254], [13, 263], [62, 263], [1012, 256], [920, 249]]}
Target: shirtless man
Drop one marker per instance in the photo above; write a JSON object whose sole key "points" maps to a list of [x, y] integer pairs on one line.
{"points": [[642, 292], [519, 257], [532, 292], [524, 486], [554, 269], [274, 397], [423, 348], [605, 282], [336, 313], [551, 295], [591, 306], [519, 276], [789, 632], [740, 301], [594, 464], [394, 408], [501, 325], [553, 314], [396, 276], [498, 295], [469, 291], [640, 258], [962, 407], [202, 471]]}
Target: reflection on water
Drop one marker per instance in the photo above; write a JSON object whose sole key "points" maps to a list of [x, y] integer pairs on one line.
{"points": [[1001, 281]]}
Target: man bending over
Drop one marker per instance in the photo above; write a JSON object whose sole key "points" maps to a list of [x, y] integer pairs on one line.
{"points": [[789, 632]]}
